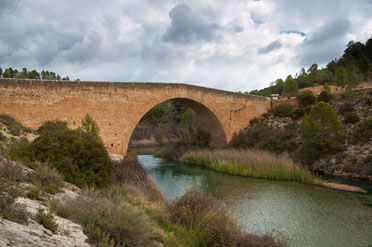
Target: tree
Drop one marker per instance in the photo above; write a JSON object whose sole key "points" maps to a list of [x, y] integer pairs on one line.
{"points": [[363, 130], [290, 87], [189, 118], [327, 88], [321, 132], [1, 72], [90, 126], [306, 98], [51, 126], [33, 75], [341, 76], [324, 96]]}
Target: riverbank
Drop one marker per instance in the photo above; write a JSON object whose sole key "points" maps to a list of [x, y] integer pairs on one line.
{"points": [[302, 213], [131, 211], [258, 164], [248, 163]]}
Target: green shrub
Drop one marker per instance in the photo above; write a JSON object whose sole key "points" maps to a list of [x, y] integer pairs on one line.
{"points": [[11, 171], [209, 224], [306, 98], [48, 178], [8, 209], [369, 101], [47, 220], [351, 117], [349, 95], [254, 121], [297, 113], [346, 107], [13, 126], [27, 130], [34, 193], [81, 158], [108, 213], [262, 136], [2, 137], [324, 96], [321, 132], [12, 211], [283, 110], [363, 130], [51, 126], [128, 171]]}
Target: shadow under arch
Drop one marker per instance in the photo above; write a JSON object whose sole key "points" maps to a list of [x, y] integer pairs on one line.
{"points": [[207, 117]]}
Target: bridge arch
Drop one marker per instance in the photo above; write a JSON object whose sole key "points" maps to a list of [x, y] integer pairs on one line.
{"points": [[117, 107], [209, 120]]}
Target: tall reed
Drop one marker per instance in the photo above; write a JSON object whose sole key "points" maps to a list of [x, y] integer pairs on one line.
{"points": [[250, 163]]}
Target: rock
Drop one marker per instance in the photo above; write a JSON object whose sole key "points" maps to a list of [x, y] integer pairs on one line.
{"points": [[34, 234]]}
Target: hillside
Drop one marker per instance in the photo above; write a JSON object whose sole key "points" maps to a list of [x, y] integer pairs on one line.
{"points": [[279, 131]]}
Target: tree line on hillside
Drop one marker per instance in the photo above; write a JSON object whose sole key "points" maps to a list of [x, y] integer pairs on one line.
{"points": [[350, 69], [31, 74]]}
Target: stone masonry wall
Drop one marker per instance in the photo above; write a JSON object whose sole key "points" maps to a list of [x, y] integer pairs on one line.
{"points": [[117, 106]]}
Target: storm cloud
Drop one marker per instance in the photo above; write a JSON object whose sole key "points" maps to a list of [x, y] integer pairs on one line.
{"points": [[187, 26], [323, 45]]}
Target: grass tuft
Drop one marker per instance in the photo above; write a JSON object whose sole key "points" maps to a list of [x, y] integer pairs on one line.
{"points": [[47, 220], [47, 178]]}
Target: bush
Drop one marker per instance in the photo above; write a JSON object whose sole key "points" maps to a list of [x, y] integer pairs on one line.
{"points": [[306, 98], [47, 220], [283, 110], [11, 171], [262, 136], [128, 171], [209, 224], [297, 113], [369, 101], [51, 126], [48, 178], [321, 132], [351, 117], [109, 213], [81, 158], [346, 107], [2, 137], [363, 130], [10, 175], [325, 96], [254, 121], [12, 211], [13, 126]]}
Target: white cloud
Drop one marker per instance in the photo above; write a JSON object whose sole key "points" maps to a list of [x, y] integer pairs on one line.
{"points": [[231, 45]]}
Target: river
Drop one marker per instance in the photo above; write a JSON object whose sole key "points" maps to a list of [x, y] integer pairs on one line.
{"points": [[306, 215]]}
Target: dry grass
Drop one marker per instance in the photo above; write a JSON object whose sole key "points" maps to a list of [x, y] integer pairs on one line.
{"points": [[252, 163]]}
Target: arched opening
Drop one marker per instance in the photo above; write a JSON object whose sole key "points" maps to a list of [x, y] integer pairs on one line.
{"points": [[181, 112]]}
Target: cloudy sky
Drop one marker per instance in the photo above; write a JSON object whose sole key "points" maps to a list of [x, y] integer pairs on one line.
{"points": [[236, 45]]}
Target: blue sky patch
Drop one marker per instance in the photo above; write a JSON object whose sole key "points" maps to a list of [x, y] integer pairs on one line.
{"points": [[293, 31], [256, 19]]}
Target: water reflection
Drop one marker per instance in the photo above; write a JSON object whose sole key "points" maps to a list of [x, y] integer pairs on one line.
{"points": [[307, 215]]}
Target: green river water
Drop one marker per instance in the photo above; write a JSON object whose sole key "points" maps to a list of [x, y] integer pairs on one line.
{"points": [[306, 215]]}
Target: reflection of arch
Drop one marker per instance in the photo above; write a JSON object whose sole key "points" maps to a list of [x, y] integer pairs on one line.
{"points": [[207, 117]]}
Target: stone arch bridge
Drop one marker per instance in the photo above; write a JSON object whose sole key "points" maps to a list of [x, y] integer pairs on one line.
{"points": [[117, 107]]}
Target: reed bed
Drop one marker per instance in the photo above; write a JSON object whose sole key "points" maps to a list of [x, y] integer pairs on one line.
{"points": [[248, 163]]}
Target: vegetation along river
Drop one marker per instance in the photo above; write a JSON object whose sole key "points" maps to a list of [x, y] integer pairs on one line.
{"points": [[305, 214]]}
